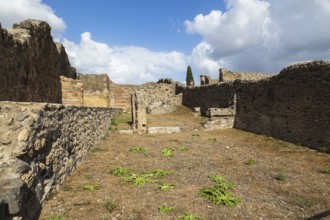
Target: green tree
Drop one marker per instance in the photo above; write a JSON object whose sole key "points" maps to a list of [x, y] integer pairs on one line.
{"points": [[189, 78]]}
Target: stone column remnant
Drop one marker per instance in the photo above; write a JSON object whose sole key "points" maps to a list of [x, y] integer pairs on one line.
{"points": [[139, 113]]}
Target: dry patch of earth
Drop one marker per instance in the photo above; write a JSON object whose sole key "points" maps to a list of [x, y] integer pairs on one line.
{"points": [[272, 179]]}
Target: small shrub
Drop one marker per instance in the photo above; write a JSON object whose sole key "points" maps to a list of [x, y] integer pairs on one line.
{"points": [[189, 216], [221, 182], [120, 171], [280, 176], [110, 205], [164, 187], [250, 161], [165, 208], [326, 170], [91, 187], [167, 152], [183, 148]]}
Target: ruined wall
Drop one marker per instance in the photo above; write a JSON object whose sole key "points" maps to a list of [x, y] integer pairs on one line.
{"points": [[31, 63], [293, 106], [230, 76], [96, 89], [41, 144], [72, 91], [160, 98]]}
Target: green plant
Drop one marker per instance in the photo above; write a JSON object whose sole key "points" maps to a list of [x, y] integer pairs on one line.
{"points": [[167, 152], [57, 218], [250, 161], [280, 176], [164, 187], [182, 148], [326, 170], [138, 180], [114, 122], [195, 135], [160, 172], [138, 150], [165, 208], [120, 171], [218, 194], [213, 139], [91, 187], [110, 205], [221, 182], [88, 176], [189, 216]]}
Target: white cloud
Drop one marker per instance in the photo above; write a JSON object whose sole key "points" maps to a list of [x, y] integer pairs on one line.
{"points": [[14, 11], [260, 35], [128, 64]]}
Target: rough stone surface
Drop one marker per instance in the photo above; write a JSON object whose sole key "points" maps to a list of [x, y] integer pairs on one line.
{"points": [[230, 76], [31, 64], [44, 151], [164, 130], [96, 89], [160, 98], [293, 105], [139, 113], [72, 91]]}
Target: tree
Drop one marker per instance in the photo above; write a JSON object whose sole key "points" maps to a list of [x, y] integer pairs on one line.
{"points": [[189, 78]]}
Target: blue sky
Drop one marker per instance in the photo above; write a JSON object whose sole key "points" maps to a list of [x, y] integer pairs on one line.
{"points": [[136, 41]]}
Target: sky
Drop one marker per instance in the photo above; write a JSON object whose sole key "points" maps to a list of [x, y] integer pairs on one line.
{"points": [[137, 41]]}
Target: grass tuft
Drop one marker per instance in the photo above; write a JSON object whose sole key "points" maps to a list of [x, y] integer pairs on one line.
{"points": [[165, 208], [167, 152], [120, 171], [164, 187]]}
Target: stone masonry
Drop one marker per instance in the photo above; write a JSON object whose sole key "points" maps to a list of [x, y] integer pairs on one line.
{"points": [[293, 105], [40, 145], [31, 63]]}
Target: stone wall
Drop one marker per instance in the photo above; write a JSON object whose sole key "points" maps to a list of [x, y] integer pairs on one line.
{"points": [[160, 98], [72, 91], [96, 89], [41, 144], [31, 63], [293, 106], [230, 76]]}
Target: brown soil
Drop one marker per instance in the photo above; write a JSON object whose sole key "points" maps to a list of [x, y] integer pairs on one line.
{"points": [[303, 194]]}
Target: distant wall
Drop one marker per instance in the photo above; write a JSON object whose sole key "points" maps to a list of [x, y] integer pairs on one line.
{"points": [[96, 89], [31, 63], [41, 144], [230, 76], [293, 106], [72, 91], [159, 97]]}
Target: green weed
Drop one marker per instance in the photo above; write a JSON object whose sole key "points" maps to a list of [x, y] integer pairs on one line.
{"points": [[165, 208], [250, 161], [218, 194], [326, 170], [280, 176], [164, 187], [57, 218], [138, 150], [160, 173], [195, 135], [120, 171], [110, 205], [213, 139], [167, 152], [183, 148], [138, 180], [91, 188], [187, 216]]}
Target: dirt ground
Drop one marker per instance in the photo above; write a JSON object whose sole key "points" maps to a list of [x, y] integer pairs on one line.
{"points": [[273, 179]]}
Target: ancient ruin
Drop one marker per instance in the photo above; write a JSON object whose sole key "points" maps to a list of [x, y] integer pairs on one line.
{"points": [[51, 116]]}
